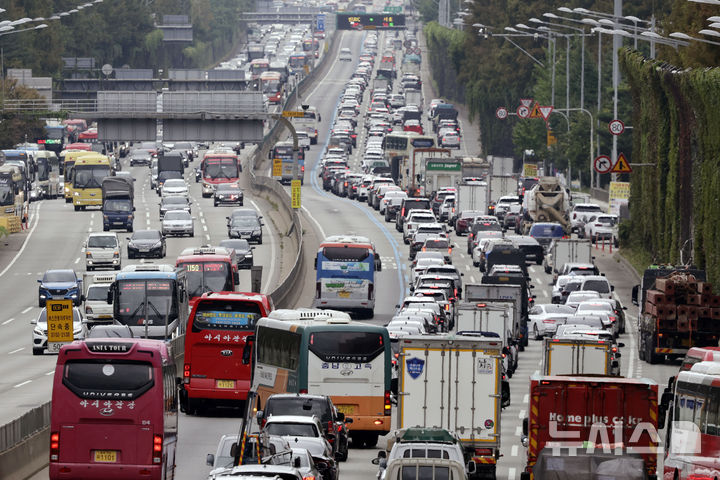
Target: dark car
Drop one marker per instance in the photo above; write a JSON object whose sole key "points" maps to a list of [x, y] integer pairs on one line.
{"points": [[146, 244], [243, 251], [545, 233], [174, 203], [464, 220], [333, 421], [228, 193], [140, 157], [60, 284], [245, 223]]}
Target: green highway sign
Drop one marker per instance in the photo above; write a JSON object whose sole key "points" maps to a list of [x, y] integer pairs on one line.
{"points": [[449, 166], [393, 9]]}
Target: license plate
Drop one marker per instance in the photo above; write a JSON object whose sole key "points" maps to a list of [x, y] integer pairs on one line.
{"points": [[143, 249], [344, 294], [54, 347], [106, 456], [225, 383], [346, 409]]}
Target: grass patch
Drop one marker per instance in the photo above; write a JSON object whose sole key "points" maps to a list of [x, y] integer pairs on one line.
{"points": [[638, 257]]}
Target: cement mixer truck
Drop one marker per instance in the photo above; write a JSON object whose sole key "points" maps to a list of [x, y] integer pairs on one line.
{"points": [[546, 201]]}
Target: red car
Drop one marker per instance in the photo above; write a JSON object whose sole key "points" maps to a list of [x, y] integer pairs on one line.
{"points": [[413, 126]]}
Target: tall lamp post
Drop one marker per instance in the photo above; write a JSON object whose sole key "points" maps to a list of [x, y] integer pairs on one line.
{"points": [[9, 29]]}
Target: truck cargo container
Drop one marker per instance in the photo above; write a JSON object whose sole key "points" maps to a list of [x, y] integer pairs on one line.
{"points": [[591, 414], [579, 356], [462, 396], [566, 250], [497, 316], [503, 288]]}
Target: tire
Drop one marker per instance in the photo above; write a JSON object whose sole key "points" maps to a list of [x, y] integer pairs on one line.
{"points": [[76, 207], [41, 303], [192, 233], [260, 241], [536, 333], [37, 351], [215, 203], [538, 261], [371, 440], [130, 255], [650, 356], [343, 456], [106, 229], [130, 229]]}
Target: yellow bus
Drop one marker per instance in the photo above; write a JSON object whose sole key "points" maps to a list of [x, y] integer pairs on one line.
{"points": [[68, 165], [12, 194], [88, 172]]}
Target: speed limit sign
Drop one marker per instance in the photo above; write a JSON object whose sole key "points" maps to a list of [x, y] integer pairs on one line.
{"points": [[501, 113], [616, 127]]}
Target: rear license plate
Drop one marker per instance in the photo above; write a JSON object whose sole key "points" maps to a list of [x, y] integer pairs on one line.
{"points": [[225, 383], [344, 294], [346, 409], [106, 456]]}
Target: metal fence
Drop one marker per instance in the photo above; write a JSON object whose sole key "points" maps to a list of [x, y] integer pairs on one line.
{"points": [[25, 426]]}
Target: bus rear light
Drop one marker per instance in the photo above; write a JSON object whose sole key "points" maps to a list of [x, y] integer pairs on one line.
{"points": [[309, 477], [54, 446], [157, 448], [388, 405], [379, 422], [483, 452], [186, 373]]}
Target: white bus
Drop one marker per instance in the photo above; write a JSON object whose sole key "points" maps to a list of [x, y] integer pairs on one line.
{"points": [[323, 352]]}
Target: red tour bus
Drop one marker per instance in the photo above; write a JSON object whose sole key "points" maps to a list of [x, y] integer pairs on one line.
{"points": [[79, 146], [218, 168], [209, 269], [218, 349], [88, 136], [114, 412]]}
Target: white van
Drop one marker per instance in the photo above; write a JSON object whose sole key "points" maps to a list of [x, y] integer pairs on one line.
{"points": [[102, 250]]}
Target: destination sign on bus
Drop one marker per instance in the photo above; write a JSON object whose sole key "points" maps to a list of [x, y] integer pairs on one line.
{"points": [[221, 318], [422, 142], [142, 285], [109, 347], [206, 267]]}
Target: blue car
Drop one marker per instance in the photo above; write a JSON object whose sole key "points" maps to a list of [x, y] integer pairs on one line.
{"points": [[58, 285]]}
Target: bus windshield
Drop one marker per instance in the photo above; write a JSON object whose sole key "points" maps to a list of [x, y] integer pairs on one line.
{"points": [[221, 168], [207, 277], [43, 169], [6, 193], [90, 176], [226, 315], [140, 298], [347, 346], [102, 379]]}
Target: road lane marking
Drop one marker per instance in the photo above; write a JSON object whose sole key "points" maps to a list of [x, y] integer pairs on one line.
{"points": [[514, 451], [21, 384], [526, 398], [511, 473], [8, 321], [49, 373], [77, 260], [472, 278], [518, 431], [207, 236], [317, 224], [522, 414], [467, 267], [273, 246], [26, 310], [16, 350]]}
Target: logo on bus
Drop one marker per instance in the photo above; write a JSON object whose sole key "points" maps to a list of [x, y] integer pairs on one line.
{"points": [[415, 367], [226, 353]]}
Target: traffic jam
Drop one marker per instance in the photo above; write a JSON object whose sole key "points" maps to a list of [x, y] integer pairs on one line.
{"points": [[511, 353]]}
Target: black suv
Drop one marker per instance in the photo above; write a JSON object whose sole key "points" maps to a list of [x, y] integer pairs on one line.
{"points": [[334, 422]]}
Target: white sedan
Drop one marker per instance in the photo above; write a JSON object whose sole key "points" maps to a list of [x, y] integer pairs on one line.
{"points": [[602, 227], [545, 317]]}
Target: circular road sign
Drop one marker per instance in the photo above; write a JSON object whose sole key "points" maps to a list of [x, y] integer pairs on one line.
{"points": [[501, 113], [602, 164], [106, 69], [616, 127], [523, 111]]}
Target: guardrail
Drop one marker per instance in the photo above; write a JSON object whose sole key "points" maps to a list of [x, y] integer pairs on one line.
{"points": [[24, 444]]}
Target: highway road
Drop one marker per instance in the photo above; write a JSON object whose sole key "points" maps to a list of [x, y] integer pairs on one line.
{"points": [[55, 241], [328, 215]]}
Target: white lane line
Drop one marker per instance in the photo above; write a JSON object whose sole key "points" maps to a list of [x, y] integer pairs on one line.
{"points": [[77, 260], [16, 350], [472, 278], [522, 414], [205, 228], [537, 372], [26, 310], [630, 328], [526, 398], [7, 321], [467, 267], [49, 373], [21, 384], [207, 236], [532, 269], [511, 473], [317, 224], [514, 451], [518, 431], [266, 284]]}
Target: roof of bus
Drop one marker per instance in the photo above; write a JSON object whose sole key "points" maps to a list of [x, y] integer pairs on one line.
{"points": [[92, 159], [202, 258], [116, 347], [259, 60], [72, 155], [45, 153], [286, 319], [702, 373], [211, 154], [146, 275], [79, 146], [13, 151]]}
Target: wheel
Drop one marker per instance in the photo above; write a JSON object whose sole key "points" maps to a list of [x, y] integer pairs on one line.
{"points": [[130, 229], [130, 255], [538, 261], [215, 203], [106, 228], [241, 203], [260, 240], [343, 456], [536, 333], [37, 351], [650, 356], [76, 207], [371, 440], [192, 233], [41, 303]]}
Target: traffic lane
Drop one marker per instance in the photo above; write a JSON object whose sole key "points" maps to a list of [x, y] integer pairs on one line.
{"points": [[200, 435], [54, 242]]}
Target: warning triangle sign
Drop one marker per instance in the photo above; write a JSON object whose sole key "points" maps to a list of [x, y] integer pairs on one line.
{"points": [[545, 112], [535, 113], [622, 165]]}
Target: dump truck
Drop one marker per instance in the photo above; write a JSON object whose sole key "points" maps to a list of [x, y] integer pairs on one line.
{"points": [[677, 311], [462, 396], [546, 201], [118, 203], [591, 415]]}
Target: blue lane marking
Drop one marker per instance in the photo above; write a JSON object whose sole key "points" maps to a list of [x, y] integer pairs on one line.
{"points": [[369, 213]]}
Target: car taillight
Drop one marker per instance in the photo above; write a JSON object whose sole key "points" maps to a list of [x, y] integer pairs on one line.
{"points": [[303, 391], [612, 318], [186, 373], [449, 249], [388, 403], [157, 448], [548, 320], [54, 446], [302, 168]]}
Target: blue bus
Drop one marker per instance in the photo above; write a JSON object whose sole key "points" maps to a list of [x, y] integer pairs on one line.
{"points": [[346, 267], [152, 300]]}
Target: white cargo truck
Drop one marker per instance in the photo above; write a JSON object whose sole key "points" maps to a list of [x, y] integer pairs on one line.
{"points": [[579, 356], [470, 196], [566, 250], [500, 186], [495, 317], [454, 382], [500, 165]]}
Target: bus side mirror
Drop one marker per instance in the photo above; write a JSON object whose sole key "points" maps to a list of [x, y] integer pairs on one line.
{"points": [[210, 459], [234, 450], [236, 277]]}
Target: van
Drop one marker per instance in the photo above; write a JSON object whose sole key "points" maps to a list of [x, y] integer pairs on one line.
{"points": [[345, 54], [102, 250], [597, 283]]}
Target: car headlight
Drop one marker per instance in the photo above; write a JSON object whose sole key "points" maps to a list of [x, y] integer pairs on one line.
{"points": [[74, 295], [77, 194], [39, 331], [77, 331]]}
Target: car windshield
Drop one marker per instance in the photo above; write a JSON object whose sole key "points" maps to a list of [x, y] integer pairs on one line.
{"points": [[437, 244], [174, 183], [306, 406], [594, 307], [118, 205], [97, 293], [546, 231], [59, 276], [244, 221], [292, 429], [177, 215], [90, 176], [146, 235], [600, 286], [102, 241], [175, 201]]}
